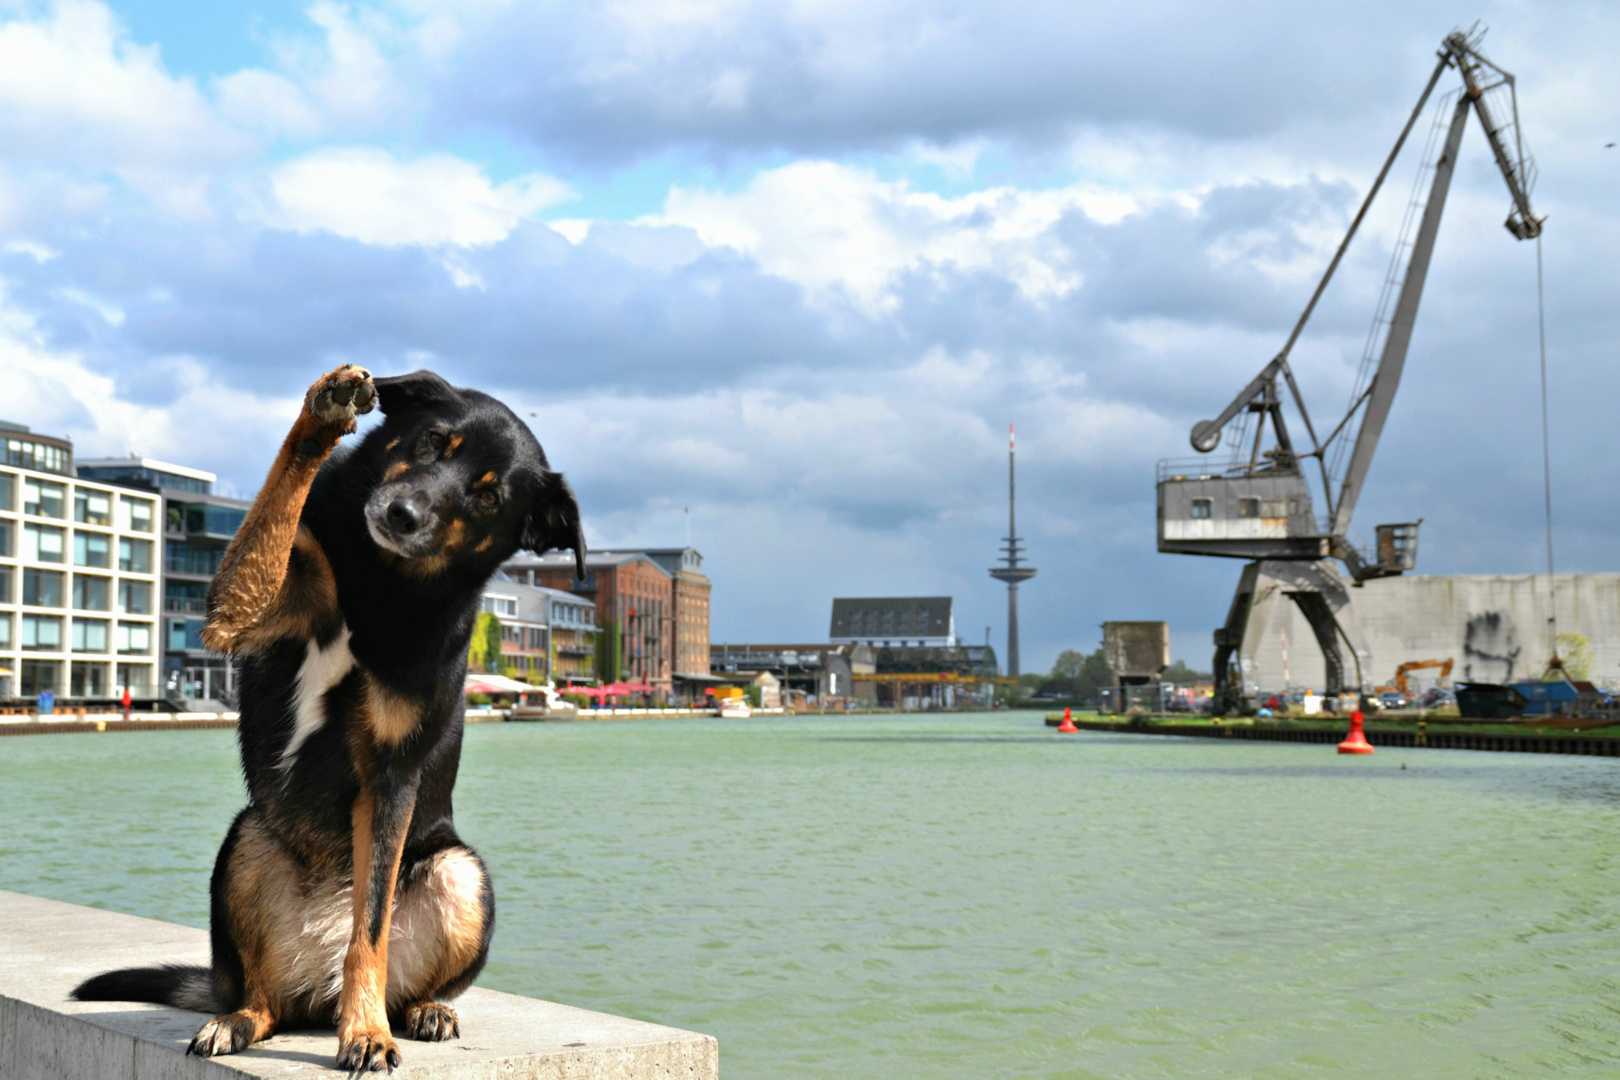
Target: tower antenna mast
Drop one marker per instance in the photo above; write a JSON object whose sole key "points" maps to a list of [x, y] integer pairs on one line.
{"points": [[1012, 554]]}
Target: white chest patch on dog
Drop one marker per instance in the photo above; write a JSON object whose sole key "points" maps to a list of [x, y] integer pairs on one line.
{"points": [[321, 670]]}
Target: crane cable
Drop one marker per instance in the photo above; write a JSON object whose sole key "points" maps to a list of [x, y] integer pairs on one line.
{"points": [[1546, 459]]}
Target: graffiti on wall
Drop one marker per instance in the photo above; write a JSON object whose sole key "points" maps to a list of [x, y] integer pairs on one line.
{"points": [[1491, 648]]}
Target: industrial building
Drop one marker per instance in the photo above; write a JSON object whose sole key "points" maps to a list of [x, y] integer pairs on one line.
{"points": [[1494, 627], [893, 622]]}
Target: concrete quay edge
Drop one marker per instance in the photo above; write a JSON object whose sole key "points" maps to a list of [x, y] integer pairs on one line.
{"points": [[47, 947]]}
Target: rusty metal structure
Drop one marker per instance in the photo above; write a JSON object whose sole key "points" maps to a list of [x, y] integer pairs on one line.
{"points": [[1260, 505]]}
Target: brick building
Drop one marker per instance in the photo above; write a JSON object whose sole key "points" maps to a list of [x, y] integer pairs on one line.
{"points": [[634, 598]]}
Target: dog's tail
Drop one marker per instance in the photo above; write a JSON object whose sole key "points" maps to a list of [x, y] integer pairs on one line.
{"points": [[180, 985]]}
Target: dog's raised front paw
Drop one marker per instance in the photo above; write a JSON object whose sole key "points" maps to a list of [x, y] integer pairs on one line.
{"points": [[340, 395], [429, 1021], [368, 1051]]}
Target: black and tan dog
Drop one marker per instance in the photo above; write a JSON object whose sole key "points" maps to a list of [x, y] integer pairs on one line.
{"points": [[350, 593]]}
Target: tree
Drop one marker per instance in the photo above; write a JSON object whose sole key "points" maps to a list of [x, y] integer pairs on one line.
{"points": [[484, 650], [1576, 653], [1179, 674], [1077, 675]]}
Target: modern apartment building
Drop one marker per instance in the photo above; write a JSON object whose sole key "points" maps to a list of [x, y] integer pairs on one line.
{"points": [[197, 527], [78, 577]]}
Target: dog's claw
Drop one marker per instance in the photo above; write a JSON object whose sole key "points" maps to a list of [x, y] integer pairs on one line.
{"points": [[429, 1021], [369, 1052]]}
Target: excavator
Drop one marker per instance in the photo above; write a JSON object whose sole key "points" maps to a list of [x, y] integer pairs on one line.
{"points": [[1404, 684], [1259, 506]]}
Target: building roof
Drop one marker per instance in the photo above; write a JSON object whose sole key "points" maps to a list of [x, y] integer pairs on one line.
{"points": [[135, 461], [596, 560], [891, 617]]}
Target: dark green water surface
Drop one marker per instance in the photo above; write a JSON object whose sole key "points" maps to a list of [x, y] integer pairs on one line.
{"points": [[968, 896]]}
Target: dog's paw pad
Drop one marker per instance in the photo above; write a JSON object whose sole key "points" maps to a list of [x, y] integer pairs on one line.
{"points": [[368, 1051], [229, 1034], [341, 395], [429, 1021]]}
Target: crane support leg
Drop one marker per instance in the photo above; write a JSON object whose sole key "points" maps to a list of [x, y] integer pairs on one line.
{"points": [[1321, 595]]}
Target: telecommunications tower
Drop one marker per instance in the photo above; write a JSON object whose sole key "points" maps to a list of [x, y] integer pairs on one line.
{"points": [[1012, 552]]}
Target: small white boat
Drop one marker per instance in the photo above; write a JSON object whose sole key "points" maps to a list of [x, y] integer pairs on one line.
{"points": [[735, 707]]}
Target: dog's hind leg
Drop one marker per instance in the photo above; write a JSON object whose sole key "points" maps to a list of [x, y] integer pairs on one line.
{"points": [[443, 920], [255, 893], [252, 585]]}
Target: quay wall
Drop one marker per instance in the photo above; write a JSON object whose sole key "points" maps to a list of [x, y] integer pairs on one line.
{"points": [[47, 948]]}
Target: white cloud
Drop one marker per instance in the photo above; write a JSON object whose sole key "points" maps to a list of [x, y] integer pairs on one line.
{"points": [[829, 226], [74, 90], [434, 201]]}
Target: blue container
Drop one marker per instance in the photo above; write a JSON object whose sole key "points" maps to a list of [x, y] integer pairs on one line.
{"points": [[1545, 698]]}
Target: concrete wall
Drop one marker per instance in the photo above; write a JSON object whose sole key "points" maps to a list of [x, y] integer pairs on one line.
{"points": [[1494, 626], [47, 948]]}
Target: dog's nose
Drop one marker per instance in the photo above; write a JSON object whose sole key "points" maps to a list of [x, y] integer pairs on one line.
{"points": [[404, 516]]}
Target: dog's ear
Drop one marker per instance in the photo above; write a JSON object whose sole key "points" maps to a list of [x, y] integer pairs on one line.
{"points": [[400, 394], [553, 520]]}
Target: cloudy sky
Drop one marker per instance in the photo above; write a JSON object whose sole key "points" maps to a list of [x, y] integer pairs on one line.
{"points": [[797, 265]]}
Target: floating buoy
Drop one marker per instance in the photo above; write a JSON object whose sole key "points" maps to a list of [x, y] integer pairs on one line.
{"points": [[1068, 722], [1355, 742]]}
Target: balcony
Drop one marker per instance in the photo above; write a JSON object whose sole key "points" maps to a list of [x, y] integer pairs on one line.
{"points": [[185, 605]]}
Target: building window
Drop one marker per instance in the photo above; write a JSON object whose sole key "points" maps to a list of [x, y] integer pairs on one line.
{"points": [[42, 632], [92, 507], [5, 584], [38, 676], [135, 556], [42, 498], [27, 454], [5, 538], [500, 605], [135, 515], [1248, 508], [1202, 508], [91, 549], [182, 558], [8, 491], [89, 592], [134, 638], [135, 597], [185, 634], [89, 680], [42, 543], [221, 521], [5, 631], [136, 677], [89, 635], [42, 588]]}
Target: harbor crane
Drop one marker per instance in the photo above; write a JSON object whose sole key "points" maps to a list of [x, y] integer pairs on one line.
{"points": [[1259, 506]]}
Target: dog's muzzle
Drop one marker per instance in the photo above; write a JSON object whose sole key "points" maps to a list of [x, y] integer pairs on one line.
{"points": [[402, 521]]}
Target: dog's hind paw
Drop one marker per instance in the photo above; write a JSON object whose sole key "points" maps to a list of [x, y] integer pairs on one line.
{"points": [[429, 1021], [368, 1051], [228, 1034], [340, 395]]}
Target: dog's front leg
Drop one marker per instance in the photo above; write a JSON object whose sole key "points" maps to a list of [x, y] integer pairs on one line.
{"points": [[250, 584], [380, 818]]}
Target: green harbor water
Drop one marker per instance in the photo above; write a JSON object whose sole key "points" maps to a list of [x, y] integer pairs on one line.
{"points": [[967, 896]]}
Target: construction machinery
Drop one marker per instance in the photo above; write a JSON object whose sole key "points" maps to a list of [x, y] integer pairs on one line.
{"points": [[1260, 505], [1404, 684]]}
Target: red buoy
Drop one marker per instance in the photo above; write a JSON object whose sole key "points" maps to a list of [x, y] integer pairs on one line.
{"points": [[1068, 722], [1355, 742]]}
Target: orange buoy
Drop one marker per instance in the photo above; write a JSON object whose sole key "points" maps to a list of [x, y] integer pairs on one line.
{"points": [[1068, 722], [1355, 742]]}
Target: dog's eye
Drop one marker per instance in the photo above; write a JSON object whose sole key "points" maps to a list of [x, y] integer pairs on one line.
{"points": [[489, 498], [436, 440]]}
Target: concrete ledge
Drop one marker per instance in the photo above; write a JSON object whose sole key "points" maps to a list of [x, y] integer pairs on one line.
{"points": [[47, 947]]}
